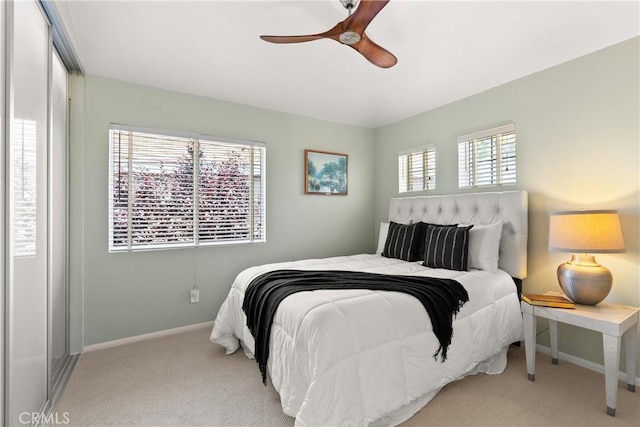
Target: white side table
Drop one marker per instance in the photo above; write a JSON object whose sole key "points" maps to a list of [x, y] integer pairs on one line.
{"points": [[613, 321]]}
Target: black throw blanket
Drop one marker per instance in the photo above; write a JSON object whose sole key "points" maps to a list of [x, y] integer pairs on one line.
{"points": [[442, 298]]}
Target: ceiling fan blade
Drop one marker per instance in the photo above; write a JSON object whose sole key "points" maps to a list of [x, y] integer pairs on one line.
{"points": [[333, 33], [292, 39], [375, 53], [364, 14]]}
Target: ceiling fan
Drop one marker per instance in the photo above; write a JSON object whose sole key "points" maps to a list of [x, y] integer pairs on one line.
{"points": [[350, 32]]}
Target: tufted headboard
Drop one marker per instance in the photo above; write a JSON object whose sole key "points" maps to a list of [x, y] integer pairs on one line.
{"points": [[509, 207]]}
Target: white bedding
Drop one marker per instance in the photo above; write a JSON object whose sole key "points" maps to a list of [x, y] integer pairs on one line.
{"points": [[360, 357]]}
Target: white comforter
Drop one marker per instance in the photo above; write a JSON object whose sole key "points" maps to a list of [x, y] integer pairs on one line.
{"points": [[360, 357]]}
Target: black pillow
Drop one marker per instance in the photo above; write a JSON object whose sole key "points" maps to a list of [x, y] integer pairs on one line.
{"points": [[446, 247], [404, 241]]}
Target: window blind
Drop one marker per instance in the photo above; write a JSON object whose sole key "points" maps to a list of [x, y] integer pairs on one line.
{"points": [[417, 169], [230, 193], [487, 157], [171, 190]]}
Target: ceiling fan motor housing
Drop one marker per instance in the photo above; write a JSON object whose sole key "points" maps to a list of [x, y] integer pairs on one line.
{"points": [[350, 37]]}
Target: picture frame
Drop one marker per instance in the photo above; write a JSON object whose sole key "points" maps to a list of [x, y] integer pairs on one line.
{"points": [[325, 173]]}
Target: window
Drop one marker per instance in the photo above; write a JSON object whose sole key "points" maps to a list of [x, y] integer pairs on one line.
{"points": [[172, 190], [417, 169], [487, 157]]}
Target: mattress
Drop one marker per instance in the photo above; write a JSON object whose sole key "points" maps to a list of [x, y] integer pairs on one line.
{"points": [[362, 357]]}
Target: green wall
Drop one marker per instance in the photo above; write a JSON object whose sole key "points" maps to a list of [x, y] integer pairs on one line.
{"points": [[577, 126], [128, 294], [578, 147]]}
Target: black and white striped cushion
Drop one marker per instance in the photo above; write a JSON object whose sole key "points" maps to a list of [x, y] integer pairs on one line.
{"points": [[447, 247], [404, 241]]}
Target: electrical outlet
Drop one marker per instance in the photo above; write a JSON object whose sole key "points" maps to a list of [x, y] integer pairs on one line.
{"points": [[195, 294]]}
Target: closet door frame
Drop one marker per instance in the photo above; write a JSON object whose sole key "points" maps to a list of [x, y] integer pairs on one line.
{"points": [[3, 191], [6, 223], [58, 368]]}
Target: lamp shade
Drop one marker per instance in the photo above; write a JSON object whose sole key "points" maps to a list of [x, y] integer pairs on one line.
{"points": [[596, 231]]}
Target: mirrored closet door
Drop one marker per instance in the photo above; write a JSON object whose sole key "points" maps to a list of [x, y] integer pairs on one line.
{"points": [[27, 357], [34, 215], [58, 208]]}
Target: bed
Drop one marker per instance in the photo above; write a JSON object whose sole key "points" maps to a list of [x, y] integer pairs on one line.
{"points": [[366, 357]]}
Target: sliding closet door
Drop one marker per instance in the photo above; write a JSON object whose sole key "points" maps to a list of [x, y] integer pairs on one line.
{"points": [[3, 192], [58, 213], [27, 215]]}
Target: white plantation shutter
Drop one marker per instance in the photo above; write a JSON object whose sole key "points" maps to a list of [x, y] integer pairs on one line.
{"points": [[417, 169], [487, 157], [185, 190]]}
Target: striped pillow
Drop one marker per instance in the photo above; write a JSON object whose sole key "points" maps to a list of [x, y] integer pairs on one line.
{"points": [[447, 247], [404, 240]]}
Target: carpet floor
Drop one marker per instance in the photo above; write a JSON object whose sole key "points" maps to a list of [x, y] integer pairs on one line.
{"points": [[185, 380]]}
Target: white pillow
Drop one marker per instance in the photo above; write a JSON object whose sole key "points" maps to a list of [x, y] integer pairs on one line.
{"points": [[382, 237], [484, 246]]}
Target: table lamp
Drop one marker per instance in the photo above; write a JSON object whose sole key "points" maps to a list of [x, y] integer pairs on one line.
{"points": [[584, 233]]}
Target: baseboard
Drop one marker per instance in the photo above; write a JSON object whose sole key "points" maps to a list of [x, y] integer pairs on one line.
{"points": [[144, 337], [592, 366]]}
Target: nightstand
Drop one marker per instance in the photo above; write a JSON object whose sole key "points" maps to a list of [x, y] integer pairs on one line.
{"points": [[613, 321]]}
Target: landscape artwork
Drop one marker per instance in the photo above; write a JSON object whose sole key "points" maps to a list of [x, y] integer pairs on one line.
{"points": [[325, 173]]}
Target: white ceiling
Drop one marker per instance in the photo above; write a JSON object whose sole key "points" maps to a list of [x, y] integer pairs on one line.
{"points": [[446, 50]]}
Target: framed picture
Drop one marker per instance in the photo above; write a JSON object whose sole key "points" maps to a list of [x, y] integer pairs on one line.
{"points": [[325, 173]]}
